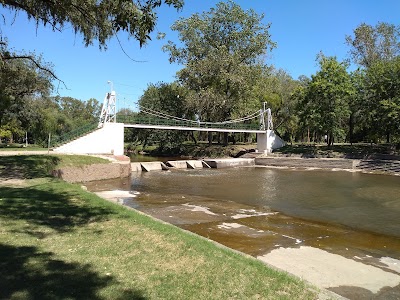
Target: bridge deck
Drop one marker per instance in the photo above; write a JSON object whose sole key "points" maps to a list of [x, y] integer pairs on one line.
{"points": [[167, 127]]}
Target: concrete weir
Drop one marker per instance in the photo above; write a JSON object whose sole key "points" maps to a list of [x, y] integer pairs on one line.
{"points": [[185, 164], [153, 166], [229, 162], [191, 164]]}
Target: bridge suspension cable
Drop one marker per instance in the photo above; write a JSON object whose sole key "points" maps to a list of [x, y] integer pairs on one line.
{"points": [[166, 116]]}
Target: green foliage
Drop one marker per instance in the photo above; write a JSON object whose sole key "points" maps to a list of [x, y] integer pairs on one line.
{"points": [[276, 88], [221, 50], [95, 20], [19, 79], [371, 44], [169, 99], [382, 97], [324, 102]]}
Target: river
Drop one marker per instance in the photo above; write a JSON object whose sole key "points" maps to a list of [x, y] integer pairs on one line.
{"points": [[259, 210]]}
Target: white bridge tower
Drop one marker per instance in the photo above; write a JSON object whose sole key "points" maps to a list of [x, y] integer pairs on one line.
{"points": [[109, 110]]}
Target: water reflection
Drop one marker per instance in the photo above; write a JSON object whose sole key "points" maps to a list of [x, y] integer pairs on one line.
{"points": [[261, 211], [362, 201]]}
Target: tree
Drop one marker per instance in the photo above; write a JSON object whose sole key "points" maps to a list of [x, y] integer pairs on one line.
{"points": [[20, 79], [95, 20], [359, 113], [222, 52], [371, 44], [169, 99], [382, 89], [277, 86], [326, 99]]}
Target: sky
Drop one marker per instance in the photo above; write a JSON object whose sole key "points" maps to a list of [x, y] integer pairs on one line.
{"points": [[301, 30]]}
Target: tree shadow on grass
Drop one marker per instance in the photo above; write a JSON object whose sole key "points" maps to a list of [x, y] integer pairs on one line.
{"points": [[30, 166], [27, 273], [60, 211]]}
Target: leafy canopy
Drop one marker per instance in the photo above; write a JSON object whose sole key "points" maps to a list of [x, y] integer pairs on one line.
{"points": [[95, 19], [371, 44], [222, 52]]}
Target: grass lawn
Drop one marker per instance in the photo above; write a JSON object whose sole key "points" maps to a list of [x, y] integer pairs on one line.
{"points": [[58, 241]]}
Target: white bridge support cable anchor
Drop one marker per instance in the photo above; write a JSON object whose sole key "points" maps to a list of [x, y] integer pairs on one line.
{"points": [[268, 140], [109, 109]]}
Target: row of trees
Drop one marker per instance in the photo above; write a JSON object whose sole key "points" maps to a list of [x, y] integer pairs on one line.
{"points": [[224, 76], [26, 81]]}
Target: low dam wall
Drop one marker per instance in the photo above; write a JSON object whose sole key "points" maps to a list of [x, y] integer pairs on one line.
{"points": [[230, 162], [191, 164], [319, 163], [124, 169]]}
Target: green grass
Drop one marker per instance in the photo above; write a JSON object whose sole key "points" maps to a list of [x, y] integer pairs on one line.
{"points": [[20, 147], [36, 166], [58, 241]]}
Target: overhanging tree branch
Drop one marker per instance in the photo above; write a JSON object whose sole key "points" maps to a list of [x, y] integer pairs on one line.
{"points": [[7, 57]]}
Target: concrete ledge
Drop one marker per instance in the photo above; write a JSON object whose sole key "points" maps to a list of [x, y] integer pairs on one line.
{"points": [[205, 165], [178, 164], [136, 167], [229, 162], [320, 163], [194, 164], [153, 166], [93, 172]]}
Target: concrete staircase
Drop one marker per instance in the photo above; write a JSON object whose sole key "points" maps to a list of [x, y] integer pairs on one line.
{"points": [[380, 165]]}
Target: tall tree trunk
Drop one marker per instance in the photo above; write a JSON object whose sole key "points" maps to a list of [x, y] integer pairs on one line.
{"points": [[330, 139], [234, 139], [351, 128], [192, 137], [226, 139]]}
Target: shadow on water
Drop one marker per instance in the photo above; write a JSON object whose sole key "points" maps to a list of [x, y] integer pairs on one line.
{"points": [[48, 208], [27, 273]]}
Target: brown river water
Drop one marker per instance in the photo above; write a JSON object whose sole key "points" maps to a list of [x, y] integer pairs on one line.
{"points": [[256, 210]]}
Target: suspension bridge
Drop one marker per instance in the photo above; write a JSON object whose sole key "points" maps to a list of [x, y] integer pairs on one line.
{"points": [[108, 136]]}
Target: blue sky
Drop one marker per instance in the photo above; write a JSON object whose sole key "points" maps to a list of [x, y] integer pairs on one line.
{"points": [[301, 30]]}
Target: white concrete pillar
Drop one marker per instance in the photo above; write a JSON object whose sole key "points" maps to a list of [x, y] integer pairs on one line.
{"points": [[268, 141]]}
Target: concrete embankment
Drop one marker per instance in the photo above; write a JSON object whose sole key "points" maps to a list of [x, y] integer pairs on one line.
{"points": [[94, 172], [376, 166], [122, 169], [229, 162], [317, 163]]}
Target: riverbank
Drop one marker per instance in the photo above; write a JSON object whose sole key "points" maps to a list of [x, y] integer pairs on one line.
{"points": [[337, 230], [60, 242]]}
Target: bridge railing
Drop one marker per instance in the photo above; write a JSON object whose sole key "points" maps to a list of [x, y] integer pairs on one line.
{"points": [[181, 123], [58, 140]]}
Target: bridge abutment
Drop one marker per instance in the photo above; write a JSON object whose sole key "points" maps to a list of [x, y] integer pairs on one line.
{"points": [[108, 139], [268, 141]]}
